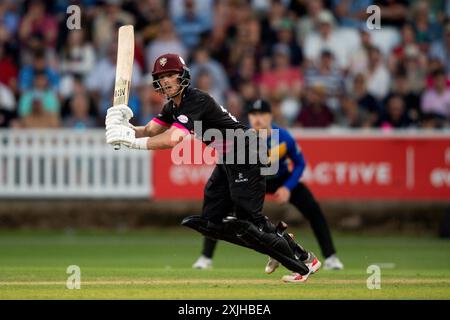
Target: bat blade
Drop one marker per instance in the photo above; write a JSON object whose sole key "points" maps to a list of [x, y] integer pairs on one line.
{"points": [[124, 67]]}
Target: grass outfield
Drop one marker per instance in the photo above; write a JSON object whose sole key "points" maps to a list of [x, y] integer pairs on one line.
{"points": [[155, 264]]}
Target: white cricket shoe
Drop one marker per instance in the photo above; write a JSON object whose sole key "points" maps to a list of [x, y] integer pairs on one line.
{"points": [[296, 277], [333, 263], [202, 263], [312, 263], [271, 265]]}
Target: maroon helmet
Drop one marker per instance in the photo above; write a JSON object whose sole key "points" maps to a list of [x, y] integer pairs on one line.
{"points": [[170, 62]]}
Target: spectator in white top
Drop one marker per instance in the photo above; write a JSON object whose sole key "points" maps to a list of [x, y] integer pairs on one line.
{"points": [[308, 23], [7, 105], [377, 75], [326, 39], [436, 100], [166, 41]]}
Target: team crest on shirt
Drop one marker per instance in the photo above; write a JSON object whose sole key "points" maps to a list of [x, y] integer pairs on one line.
{"points": [[182, 118], [163, 61]]}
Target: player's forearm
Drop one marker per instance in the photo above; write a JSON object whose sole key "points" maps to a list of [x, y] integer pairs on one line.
{"points": [[165, 140], [140, 132]]}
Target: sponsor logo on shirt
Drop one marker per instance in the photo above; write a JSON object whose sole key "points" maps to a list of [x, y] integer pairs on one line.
{"points": [[182, 118]]}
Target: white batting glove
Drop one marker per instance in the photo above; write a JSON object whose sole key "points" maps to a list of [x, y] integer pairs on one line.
{"points": [[118, 115], [124, 135]]}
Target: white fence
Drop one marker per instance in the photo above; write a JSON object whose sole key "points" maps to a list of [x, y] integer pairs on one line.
{"points": [[70, 164]]}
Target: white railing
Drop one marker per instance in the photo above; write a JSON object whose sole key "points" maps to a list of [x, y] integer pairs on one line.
{"points": [[70, 164]]}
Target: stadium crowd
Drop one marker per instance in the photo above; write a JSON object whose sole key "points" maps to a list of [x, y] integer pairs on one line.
{"points": [[317, 62]]}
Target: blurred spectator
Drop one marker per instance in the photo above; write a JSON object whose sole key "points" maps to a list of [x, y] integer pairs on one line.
{"points": [[350, 13], [77, 58], [408, 45], [79, 117], [309, 23], [40, 95], [436, 100], [377, 75], [359, 59], [39, 65], [395, 115], [9, 16], [151, 102], [219, 79], [166, 41], [282, 80], [9, 71], [106, 23], [351, 116], [272, 22], [285, 35], [37, 21], [441, 49], [315, 112], [7, 105], [243, 72], [202, 9], [328, 76], [401, 87], [79, 89], [364, 99], [234, 105], [38, 117], [415, 65], [426, 27], [191, 25], [100, 81], [393, 12], [204, 81], [325, 38]]}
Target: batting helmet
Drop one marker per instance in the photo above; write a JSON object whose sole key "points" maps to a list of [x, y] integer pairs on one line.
{"points": [[170, 62]]}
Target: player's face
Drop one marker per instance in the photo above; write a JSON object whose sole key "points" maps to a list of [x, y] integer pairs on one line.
{"points": [[260, 120], [169, 83]]}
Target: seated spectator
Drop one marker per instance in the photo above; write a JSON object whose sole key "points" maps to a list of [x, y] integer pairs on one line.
{"points": [[285, 35], [204, 82], [350, 13], [9, 71], [315, 112], [203, 62], [377, 75], [351, 116], [7, 105], [282, 80], [79, 117], [329, 76], [309, 22], [395, 115], [152, 102], [359, 59], [191, 25], [426, 28], [38, 21], [38, 118], [407, 45], [77, 58], [165, 41], [39, 65], [245, 71], [440, 49], [401, 87], [364, 99], [436, 100], [325, 38], [40, 92]]}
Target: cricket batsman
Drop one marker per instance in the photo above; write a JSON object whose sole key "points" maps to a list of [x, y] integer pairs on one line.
{"points": [[286, 187], [233, 186]]}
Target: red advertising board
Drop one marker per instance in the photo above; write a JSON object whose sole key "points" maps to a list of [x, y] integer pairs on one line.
{"points": [[340, 166]]}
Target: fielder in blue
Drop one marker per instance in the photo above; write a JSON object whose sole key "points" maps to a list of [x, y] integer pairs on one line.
{"points": [[286, 187]]}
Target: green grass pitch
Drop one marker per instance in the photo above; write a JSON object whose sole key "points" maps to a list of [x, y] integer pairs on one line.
{"points": [[156, 264]]}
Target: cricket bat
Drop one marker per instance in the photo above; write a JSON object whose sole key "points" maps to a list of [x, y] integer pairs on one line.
{"points": [[124, 67]]}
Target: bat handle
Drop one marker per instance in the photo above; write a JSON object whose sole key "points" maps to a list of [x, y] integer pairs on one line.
{"points": [[117, 147]]}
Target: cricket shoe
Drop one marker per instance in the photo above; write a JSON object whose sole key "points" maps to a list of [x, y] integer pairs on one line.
{"points": [[333, 263], [203, 263], [296, 277], [271, 265], [312, 263]]}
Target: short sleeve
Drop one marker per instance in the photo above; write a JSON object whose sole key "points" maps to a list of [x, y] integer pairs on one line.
{"points": [[164, 118]]}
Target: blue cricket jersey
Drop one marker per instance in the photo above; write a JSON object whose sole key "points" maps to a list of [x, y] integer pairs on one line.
{"points": [[287, 149]]}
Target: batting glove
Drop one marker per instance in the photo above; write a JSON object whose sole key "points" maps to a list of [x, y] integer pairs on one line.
{"points": [[118, 115], [124, 135]]}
